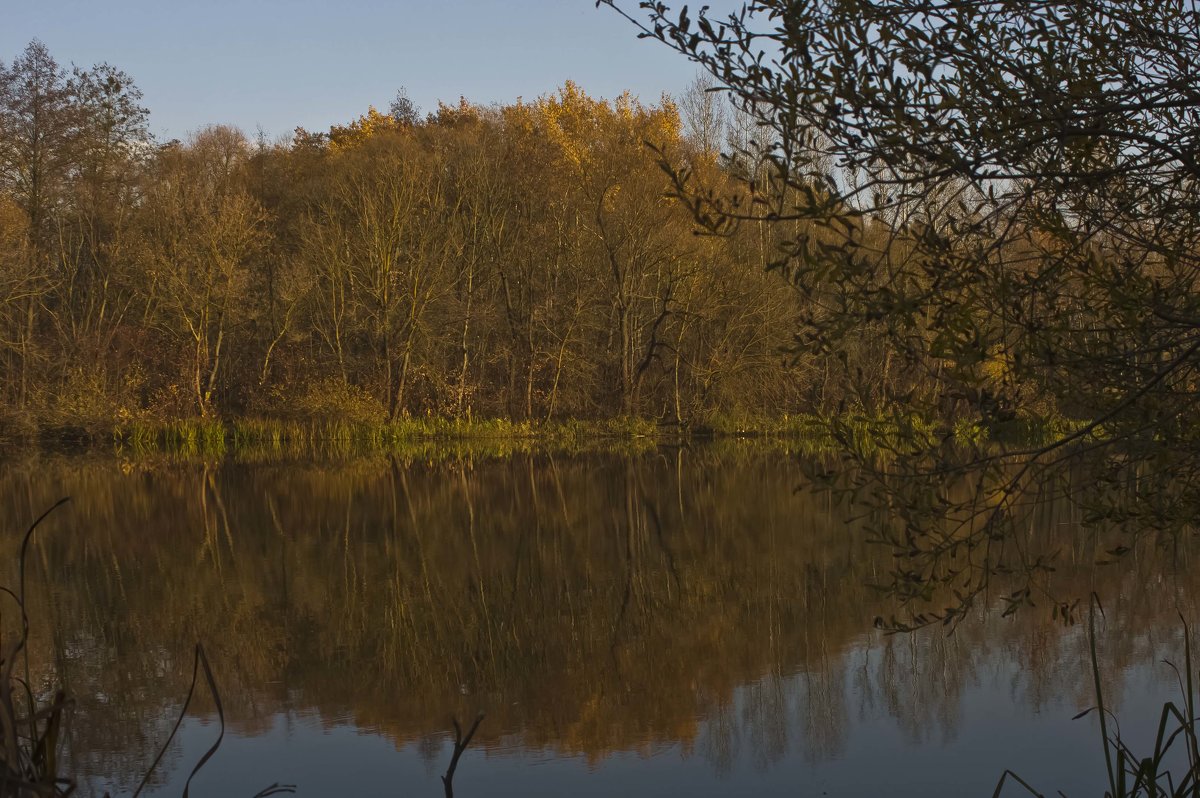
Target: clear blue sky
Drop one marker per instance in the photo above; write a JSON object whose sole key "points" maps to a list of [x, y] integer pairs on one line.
{"points": [[283, 63]]}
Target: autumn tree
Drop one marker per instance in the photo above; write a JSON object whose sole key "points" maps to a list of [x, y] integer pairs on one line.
{"points": [[37, 125], [111, 143], [282, 180], [36, 128], [21, 289], [631, 231], [480, 234], [376, 239], [202, 229], [542, 290]]}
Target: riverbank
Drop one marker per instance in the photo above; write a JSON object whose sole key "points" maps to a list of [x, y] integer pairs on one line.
{"points": [[263, 438]]}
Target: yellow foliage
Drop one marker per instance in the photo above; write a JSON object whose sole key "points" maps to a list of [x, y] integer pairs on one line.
{"points": [[372, 123], [998, 365], [585, 131]]}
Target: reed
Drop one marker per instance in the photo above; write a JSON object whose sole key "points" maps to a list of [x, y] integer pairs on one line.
{"points": [[31, 730], [1171, 766], [864, 435]]}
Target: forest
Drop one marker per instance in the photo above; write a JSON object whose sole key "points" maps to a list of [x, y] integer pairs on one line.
{"points": [[522, 262]]}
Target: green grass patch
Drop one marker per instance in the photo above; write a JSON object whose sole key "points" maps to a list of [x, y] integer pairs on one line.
{"points": [[265, 438]]}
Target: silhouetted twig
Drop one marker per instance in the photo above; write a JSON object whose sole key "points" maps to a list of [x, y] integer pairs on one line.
{"points": [[200, 662], [460, 745]]}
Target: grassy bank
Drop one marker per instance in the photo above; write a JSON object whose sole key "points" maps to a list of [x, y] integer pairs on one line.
{"points": [[265, 438]]}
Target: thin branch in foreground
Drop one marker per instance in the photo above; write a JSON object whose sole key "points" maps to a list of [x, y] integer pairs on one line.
{"points": [[200, 663], [460, 745]]}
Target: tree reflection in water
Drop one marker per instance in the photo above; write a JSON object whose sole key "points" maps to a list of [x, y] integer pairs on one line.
{"points": [[682, 599]]}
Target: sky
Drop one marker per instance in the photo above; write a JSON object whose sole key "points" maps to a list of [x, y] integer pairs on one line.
{"points": [[277, 64]]}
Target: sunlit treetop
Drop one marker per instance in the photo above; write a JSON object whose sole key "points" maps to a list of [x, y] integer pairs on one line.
{"points": [[581, 128]]}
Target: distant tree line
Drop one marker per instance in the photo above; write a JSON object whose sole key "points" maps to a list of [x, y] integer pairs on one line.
{"points": [[525, 261]]}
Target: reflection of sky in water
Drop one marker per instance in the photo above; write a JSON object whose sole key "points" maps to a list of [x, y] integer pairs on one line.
{"points": [[874, 755], [680, 624]]}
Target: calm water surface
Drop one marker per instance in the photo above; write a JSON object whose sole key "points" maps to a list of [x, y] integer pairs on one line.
{"points": [[677, 622]]}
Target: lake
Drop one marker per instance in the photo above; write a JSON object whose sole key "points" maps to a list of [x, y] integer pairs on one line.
{"points": [[677, 621]]}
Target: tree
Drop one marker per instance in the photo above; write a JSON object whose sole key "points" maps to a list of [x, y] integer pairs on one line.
{"points": [[478, 234], [93, 231], [21, 289], [404, 110], [1003, 197], [202, 229], [36, 129], [37, 125], [378, 245], [631, 230], [705, 114], [71, 151]]}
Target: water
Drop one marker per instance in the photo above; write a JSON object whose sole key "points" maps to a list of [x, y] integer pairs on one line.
{"points": [[674, 622]]}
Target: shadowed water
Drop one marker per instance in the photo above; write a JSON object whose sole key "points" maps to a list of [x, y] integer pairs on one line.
{"points": [[673, 622]]}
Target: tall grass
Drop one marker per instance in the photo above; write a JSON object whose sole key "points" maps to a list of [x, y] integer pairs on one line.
{"points": [[189, 437], [1128, 774], [260, 438], [30, 728]]}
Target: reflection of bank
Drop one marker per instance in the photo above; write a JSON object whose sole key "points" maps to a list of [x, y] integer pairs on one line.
{"points": [[689, 606]]}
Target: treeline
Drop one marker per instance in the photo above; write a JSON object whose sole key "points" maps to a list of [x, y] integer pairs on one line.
{"points": [[524, 261]]}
